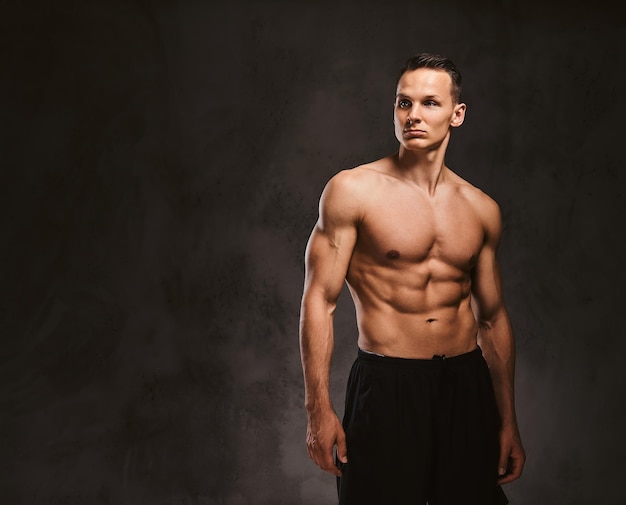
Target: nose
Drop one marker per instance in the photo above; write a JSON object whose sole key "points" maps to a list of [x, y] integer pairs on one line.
{"points": [[412, 117]]}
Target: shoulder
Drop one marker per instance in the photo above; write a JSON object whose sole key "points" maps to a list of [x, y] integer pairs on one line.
{"points": [[484, 206], [352, 186], [354, 179], [342, 197], [475, 196]]}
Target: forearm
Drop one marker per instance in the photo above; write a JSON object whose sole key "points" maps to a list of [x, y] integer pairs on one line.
{"points": [[495, 337], [316, 348], [497, 342]]}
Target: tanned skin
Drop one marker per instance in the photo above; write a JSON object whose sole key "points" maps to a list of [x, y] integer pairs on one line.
{"points": [[417, 247]]}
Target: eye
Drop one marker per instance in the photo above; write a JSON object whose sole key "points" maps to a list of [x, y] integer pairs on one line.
{"points": [[403, 103], [430, 103]]}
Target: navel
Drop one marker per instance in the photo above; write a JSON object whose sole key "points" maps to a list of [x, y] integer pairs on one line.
{"points": [[392, 254]]}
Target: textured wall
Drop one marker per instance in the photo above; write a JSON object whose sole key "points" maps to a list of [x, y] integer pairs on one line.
{"points": [[160, 165]]}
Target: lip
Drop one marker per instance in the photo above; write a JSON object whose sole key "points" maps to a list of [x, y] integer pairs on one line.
{"points": [[414, 133]]}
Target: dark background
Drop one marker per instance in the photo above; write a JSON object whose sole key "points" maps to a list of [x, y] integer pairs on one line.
{"points": [[160, 166]]}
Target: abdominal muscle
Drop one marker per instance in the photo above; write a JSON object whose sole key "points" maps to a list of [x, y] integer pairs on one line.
{"points": [[413, 312]]}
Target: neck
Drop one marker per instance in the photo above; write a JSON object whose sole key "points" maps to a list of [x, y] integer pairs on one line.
{"points": [[424, 168]]}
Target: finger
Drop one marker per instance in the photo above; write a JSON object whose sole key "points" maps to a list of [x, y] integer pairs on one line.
{"points": [[311, 454], [327, 463], [310, 446], [322, 457], [514, 472], [509, 477], [516, 466], [503, 462], [335, 471], [503, 478], [315, 451], [342, 449]]}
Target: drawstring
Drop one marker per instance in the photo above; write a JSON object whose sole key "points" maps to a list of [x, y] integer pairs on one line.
{"points": [[443, 367]]}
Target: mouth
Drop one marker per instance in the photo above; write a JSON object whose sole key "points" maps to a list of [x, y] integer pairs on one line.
{"points": [[410, 132]]}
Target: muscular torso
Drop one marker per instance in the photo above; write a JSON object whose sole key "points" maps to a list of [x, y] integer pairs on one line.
{"points": [[410, 270]]}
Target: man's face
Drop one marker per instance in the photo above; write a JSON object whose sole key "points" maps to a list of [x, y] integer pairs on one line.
{"points": [[424, 109]]}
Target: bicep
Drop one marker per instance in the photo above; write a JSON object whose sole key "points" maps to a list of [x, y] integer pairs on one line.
{"points": [[487, 286], [486, 278], [327, 259], [333, 239]]}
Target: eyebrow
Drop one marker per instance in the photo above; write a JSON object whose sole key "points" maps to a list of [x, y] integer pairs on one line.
{"points": [[427, 97]]}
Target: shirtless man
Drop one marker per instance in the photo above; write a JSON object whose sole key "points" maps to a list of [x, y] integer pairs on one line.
{"points": [[430, 409]]}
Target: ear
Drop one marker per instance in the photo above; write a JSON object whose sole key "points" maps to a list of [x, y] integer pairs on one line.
{"points": [[458, 116]]}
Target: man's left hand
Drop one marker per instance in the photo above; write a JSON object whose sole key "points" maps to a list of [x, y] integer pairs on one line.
{"points": [[512, 455]]}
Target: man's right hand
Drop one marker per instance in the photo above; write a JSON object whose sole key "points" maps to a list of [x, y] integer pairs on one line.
{"points": [[323, 432]]}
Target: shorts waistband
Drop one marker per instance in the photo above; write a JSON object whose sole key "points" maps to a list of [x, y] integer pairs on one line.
{"points": [[435, 361]]}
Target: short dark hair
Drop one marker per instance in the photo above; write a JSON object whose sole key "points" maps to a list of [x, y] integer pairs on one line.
{"points": [[437, 62]]}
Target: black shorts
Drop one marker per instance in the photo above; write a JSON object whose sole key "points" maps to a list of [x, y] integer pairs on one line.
{"points": [[421, 430]]}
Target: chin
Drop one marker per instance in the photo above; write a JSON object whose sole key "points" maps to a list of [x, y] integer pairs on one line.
{"points": [[414, 144]]}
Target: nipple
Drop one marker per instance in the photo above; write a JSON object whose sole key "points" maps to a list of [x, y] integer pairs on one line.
{"points": [[392, 254]]}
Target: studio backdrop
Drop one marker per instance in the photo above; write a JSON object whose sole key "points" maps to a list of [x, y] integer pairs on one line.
{"points": [[160, 170]]}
